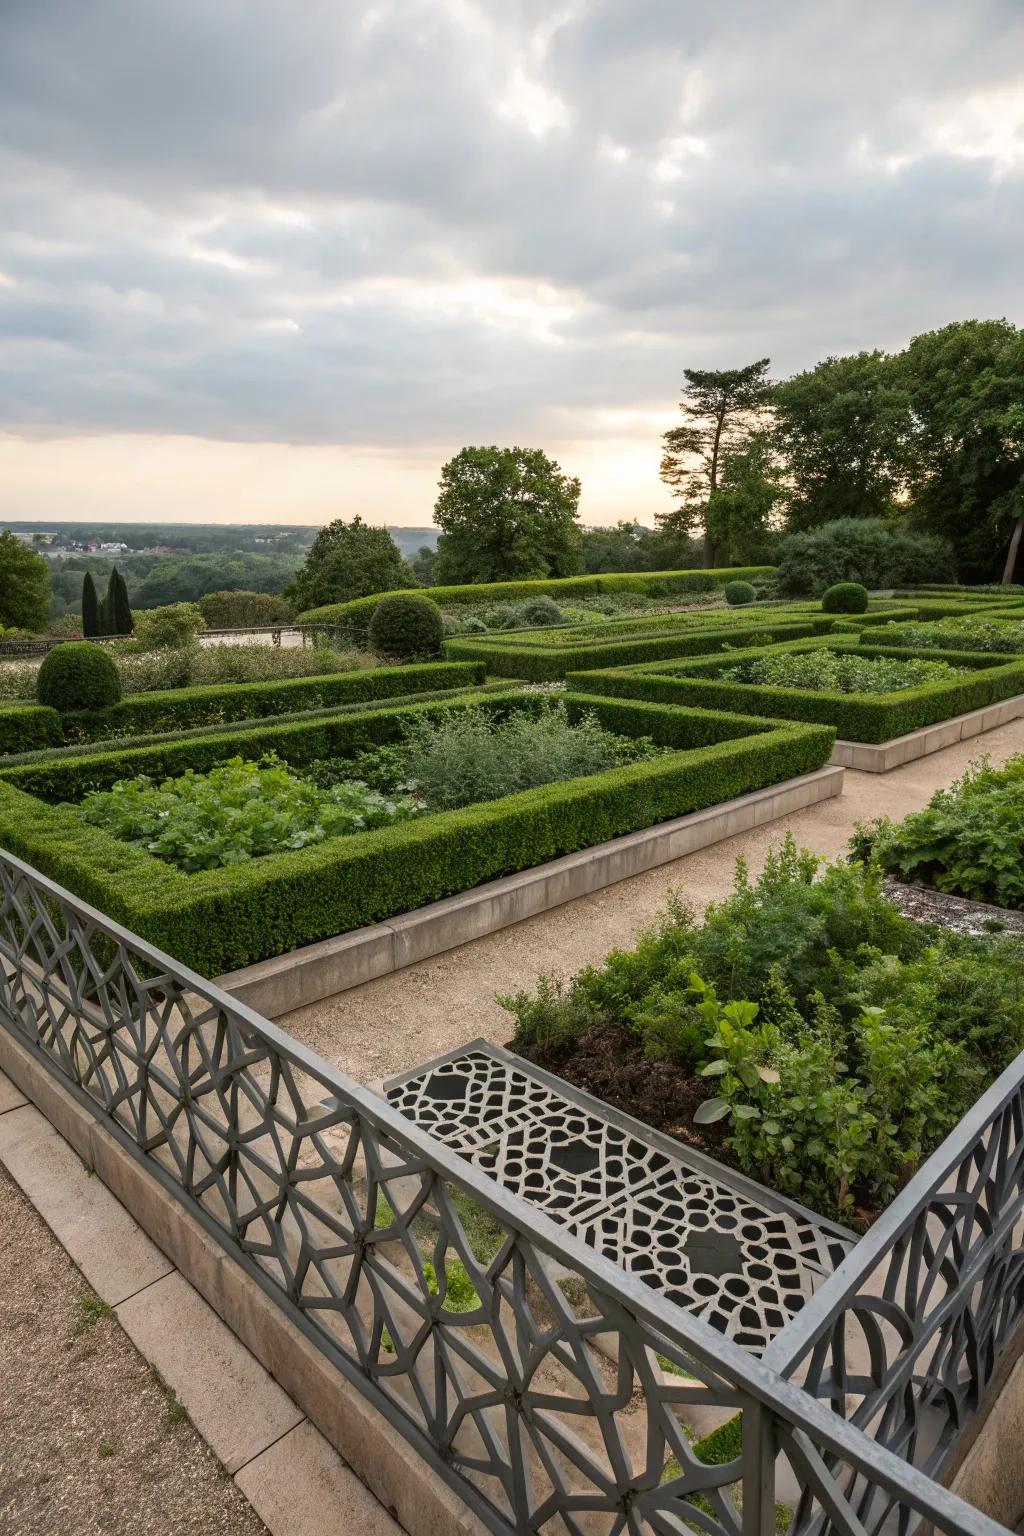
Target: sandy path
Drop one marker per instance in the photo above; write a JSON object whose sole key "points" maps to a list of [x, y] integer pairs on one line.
{"points": [[385, 1026]]}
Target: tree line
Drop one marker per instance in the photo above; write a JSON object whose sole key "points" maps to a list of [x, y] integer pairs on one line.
{"points": [[932, 435]]}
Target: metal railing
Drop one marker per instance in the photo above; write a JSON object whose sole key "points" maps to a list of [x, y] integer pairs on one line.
{"points": [[539, 1380]]}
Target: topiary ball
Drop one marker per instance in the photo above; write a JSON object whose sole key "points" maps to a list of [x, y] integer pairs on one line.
{"points": [[845, 597], [738, 593], [406, 625], [78, 676]]}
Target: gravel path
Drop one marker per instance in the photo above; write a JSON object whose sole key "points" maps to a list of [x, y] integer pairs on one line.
{"points": [[92, 1444], [398, 1021]]}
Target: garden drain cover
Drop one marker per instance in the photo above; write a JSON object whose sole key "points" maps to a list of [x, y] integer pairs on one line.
{"points": [[739, 1256]]}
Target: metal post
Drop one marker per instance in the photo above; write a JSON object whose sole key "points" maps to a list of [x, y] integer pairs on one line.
{"points": [[758, 1463]]}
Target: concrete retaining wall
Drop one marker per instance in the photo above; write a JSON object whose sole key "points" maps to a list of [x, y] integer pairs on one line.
{"points": [[286, 982], [930, 738]]}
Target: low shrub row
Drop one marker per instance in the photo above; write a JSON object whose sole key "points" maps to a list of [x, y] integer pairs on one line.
{"points": [[651, 583], [856, 717], [219, 920], [223, 702], [24, 727], [549, 661]]}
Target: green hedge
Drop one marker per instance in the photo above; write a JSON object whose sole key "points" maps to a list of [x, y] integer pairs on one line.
{"points": [[24, 727], [219, 920], [197, 732], [358, 611], [856, 717], [549, 662], [215, 703]]}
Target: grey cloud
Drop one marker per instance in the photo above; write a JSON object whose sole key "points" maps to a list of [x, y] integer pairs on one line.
{"points": [[334, 223]]}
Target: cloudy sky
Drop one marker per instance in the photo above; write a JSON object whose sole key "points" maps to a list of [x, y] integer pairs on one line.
{"points": [[278, 259]]}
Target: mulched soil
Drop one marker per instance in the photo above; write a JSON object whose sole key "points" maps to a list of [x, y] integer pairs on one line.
{"points": [[609, 1063], [954, 912], [91, 1444]]}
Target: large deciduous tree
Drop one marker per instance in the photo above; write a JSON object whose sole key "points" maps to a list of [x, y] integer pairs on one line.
{"points": [[348, 560], [965, 384], [24, 585], [506, 514], [843, 430], [722, 408]]}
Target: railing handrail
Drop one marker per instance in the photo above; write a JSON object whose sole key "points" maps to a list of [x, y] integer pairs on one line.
{"points": [[760, 1380]]}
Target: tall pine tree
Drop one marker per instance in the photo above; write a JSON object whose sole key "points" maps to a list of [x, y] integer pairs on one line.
{"points": [[90, 607], [722, 409]]}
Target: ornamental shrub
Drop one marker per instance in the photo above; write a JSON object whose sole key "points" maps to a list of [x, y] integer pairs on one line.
{"points": [[866, 549], [406, 626], [78, 676], [845, 597], [175, 624], [738, 593]]}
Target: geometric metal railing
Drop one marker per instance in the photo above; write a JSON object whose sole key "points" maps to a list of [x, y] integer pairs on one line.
{"points": [[524, 1368]]}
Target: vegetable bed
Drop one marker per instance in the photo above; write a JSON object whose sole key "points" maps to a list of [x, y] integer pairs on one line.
{"points": [[224, 918], [972, 681]]}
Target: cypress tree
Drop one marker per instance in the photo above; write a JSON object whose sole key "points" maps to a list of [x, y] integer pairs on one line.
{"points": [[90, 607], [120, 611]]}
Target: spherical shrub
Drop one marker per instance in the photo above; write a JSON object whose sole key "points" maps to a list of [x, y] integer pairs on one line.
{"points": [[406, 625], [78, 676], [845, 597], [538, 611], [739, 593]]}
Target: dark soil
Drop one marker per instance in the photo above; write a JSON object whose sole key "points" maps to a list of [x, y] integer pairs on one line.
{"points": [[954, 912], [609, 1063]]}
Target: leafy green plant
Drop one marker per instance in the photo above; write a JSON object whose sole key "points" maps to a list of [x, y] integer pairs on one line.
{"points": [[237, 812], [473, 756], [78, 676], [839, 671], [839, 1040], [175, 624], [967, 839]]}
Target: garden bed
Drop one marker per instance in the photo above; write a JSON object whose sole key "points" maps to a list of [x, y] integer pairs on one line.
{"points": [[806, 1032], [973, 682], [218, 920]]}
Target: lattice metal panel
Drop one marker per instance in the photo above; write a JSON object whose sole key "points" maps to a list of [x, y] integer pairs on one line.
{"points": [[542, 1405], [742, 1264], [907, 1343]]}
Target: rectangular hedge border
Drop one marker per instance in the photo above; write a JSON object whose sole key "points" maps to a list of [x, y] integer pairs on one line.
{"points": [[549, 663], [872, 718], [24, 727], [221, 920], [358, 610], [173, 708]]}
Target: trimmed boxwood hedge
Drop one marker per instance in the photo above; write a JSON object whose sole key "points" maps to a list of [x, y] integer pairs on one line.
{"points": [[548, 662], [220, 920], [856, 716], [24, 727], [168, 709], [656, 583]]}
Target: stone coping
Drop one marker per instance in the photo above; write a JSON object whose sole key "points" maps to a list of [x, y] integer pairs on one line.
{"points": [[286, 982], [867, 757]]}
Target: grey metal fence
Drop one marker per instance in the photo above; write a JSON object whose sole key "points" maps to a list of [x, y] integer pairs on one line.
{"points": [[543, 1383]]}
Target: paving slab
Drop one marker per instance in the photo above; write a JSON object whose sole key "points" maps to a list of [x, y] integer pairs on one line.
{"points": [[235, 1404], [111, 1250], [10, 1096], [300, 1486]]}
